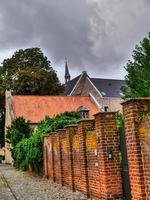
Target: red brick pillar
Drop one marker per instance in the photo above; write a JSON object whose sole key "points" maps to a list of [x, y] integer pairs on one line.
{"points": [[52, 156], [109, 167], [59, 164], [45, 160], [83, 126], [69, 132], [48, 157], [132, 110]]}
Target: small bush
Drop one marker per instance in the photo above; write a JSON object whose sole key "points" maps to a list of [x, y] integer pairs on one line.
{"points": [[29, 151], [119, 120], [18, 130]]}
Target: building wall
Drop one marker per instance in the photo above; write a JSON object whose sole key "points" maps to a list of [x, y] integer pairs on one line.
{"points": [[2, 151], [77, 157], [114, 104], [8, 119], [84, 88]]}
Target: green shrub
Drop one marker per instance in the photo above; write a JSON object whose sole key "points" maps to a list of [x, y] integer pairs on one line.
{"points": [[30, 151], [19, 155], [18, 130], [119, 120]]}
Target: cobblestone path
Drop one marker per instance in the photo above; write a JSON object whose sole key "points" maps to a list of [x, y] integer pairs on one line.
{"points": [[19, 185], [5, 192]]}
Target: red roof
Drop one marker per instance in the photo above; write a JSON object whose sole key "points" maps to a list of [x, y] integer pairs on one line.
{"points": [[35, 108]]}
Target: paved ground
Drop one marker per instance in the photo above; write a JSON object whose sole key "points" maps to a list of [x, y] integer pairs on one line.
{"points": [[5, 192], [19, 185]]}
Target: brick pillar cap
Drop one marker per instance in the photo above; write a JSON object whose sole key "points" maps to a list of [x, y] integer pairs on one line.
{"points": [[136, 99], [61, 129], [105, 113], [53, 133], [85, 120], [46, 136], [71, 125]]}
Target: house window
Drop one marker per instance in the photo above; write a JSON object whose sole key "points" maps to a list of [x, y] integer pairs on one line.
{"points": [[84, 112], [85, 115], [106, 108]]}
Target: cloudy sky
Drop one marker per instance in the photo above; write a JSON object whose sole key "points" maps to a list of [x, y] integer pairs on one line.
{"points": [[95, 35]]}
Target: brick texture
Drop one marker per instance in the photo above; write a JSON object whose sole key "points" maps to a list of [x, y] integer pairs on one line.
{"points": [[77, 157], [137, 126], [109, 168]]}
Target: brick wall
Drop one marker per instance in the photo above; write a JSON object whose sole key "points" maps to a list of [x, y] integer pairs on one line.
{"points": [[137, 132], [110, 179], [144, 132], [77, 157], [92, 163]]}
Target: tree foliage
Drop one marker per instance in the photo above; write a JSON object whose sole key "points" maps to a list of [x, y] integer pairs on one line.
{"points": [[119, 120], [31, 57], [30, 151], [138, 71], [29, 72], [18, 130], [34, 81]]}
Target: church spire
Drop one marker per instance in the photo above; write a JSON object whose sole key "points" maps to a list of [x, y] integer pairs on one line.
{"points": [[67, 74]]}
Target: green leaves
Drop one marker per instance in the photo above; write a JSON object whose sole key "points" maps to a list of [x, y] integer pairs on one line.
{"points": [[138, 71], [30, 151], [32, 81], [29, 72], [18, 130], [119, 120]]}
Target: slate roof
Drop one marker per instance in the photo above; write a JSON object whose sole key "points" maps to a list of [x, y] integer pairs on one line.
{"points": [[109, 87], [35, 108], [70, 85]]}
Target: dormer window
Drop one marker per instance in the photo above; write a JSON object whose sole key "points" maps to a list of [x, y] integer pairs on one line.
{"points": [[84, 112]]}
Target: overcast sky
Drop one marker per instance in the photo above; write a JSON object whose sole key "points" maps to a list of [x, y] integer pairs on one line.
{"points": [[95, 35]]}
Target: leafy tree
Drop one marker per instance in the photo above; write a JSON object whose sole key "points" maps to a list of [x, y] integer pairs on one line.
{"points": [[29, 72], [18, 130], [31, 57], [35, 81], [138, 71]]}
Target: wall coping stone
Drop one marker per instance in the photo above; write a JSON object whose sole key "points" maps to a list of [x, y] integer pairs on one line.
{"points": [[136, 99], [46, 136], [61, 129], [71, 125], [85, 120], [105, 113], [53, 133]]}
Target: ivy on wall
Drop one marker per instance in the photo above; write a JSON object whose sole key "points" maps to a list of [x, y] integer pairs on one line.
{"points": [[29, 151]]}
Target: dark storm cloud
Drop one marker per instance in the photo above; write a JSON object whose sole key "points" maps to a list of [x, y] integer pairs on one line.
{"points": [[60, 27], [95, 35]]}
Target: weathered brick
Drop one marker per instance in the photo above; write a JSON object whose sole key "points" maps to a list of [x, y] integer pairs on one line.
{"points": [[138, 143]]}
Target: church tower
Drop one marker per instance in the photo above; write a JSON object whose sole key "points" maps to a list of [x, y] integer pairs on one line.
{"points": [[67, 74]]}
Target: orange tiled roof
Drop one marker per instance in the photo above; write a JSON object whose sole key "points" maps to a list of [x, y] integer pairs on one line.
{"points": [[35, 108]]}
